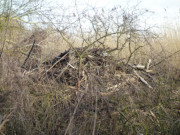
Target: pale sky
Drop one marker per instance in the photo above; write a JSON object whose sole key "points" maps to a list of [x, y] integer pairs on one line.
{"points": [[164, 10]]}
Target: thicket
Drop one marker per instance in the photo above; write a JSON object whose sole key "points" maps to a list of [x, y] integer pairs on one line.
{"points": [[115, 77]]}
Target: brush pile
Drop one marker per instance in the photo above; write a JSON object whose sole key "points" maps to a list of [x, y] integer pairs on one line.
{"points": [[95, 93], [98, 69]]}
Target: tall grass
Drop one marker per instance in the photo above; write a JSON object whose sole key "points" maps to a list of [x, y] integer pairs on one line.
{"points": [[45, 107]]}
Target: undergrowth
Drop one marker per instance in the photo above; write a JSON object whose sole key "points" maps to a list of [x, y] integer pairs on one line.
{"points": [[45, 107], [95, 86]]}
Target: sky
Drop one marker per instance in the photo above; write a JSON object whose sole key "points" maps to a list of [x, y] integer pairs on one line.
{"points": [[163, 10]]}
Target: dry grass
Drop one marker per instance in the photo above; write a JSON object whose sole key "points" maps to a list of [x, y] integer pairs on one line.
{"points": [[171, 43], [42, 106]]}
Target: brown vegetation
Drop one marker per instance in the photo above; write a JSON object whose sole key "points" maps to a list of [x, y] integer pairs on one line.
{"points": [[115, 79]]}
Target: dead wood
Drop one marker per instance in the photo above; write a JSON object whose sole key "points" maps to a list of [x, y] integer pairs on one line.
{"points": [[28, 55], [111, 75]]}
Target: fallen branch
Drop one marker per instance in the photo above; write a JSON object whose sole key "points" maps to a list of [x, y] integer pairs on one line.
{"points": [[66, 67], [28, 55], [165, 58], [142, 79], [55, 63]]}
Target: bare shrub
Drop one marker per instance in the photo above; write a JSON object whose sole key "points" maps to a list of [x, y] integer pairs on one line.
{"points": [[93, 87]]}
